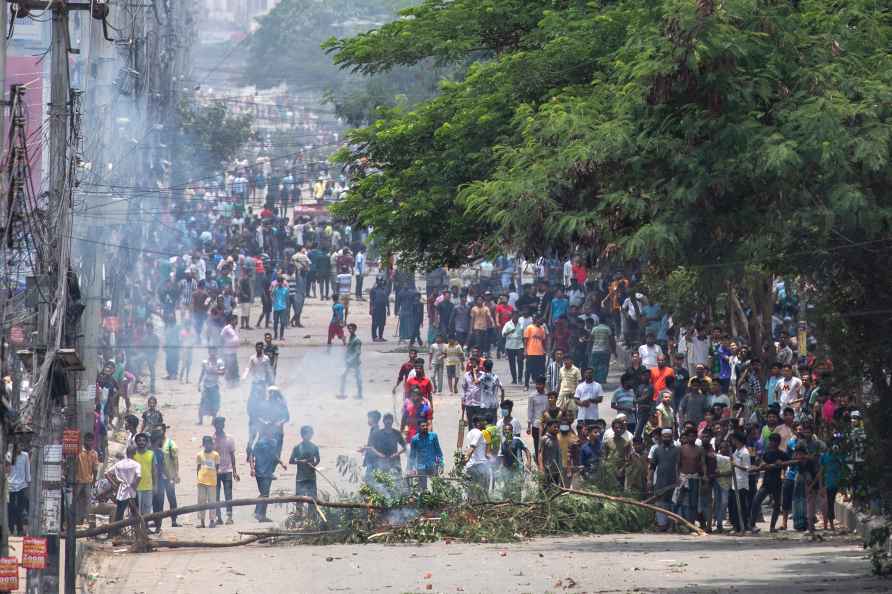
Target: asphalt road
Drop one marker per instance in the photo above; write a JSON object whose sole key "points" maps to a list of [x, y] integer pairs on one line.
{"points": [[309, 374]]}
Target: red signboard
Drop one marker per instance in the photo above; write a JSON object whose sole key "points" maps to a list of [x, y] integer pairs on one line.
{"points": [[34, 552], [71, 442], [9, 574]]}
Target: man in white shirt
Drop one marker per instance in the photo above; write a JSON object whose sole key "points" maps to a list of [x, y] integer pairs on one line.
{"points": [[649, 351], [359, 271], [697, 349], [125, 475], [476, 460], [740, 482], [788, 390], [536, 406], [588, 394]]}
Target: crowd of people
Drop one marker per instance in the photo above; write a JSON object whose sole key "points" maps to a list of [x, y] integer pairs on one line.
{"points": [[702, 425]]}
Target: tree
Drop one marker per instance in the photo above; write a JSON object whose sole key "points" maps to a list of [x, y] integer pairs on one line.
{"points": [[358, 99], [208, 136], [740, 140], [285, 48]]}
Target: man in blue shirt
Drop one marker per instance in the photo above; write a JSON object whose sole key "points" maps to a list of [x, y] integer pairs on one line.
{"points": [[280, 308], [263, 460], [590, 453], [425, 455]]}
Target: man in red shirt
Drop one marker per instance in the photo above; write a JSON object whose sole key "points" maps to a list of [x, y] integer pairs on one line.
{"points": [[405, 369], [475, 361], [345, 262], [503, 315], [420, 381], [659, 374], [415, 409]]}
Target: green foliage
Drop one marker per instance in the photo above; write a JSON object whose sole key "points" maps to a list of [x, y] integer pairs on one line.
{"points": [[358, 101], [208, 136], [286, 46], [681, 132]]}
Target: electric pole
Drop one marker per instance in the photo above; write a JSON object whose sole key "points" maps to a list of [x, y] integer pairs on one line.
{"points": [[4, 520]]}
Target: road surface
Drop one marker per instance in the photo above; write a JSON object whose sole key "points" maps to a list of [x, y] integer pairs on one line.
{"points": [[308, 375]]}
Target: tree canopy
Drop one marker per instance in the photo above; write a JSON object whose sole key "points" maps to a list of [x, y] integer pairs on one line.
{"points": [[209, 136], [285, 48], [738, 139], [669, 127]]}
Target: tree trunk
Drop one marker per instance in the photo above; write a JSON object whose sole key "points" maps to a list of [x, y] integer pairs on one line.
{"points": [[760, 288], [189, 509]]}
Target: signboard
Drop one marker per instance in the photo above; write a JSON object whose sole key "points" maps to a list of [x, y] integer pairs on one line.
{"points": [[34, 552], [52, 473], [9, 574], [51, 511], [71, 442], [52, 453]]}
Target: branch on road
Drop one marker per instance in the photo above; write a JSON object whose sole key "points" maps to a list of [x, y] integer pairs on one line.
{"points": [[189, 509]]}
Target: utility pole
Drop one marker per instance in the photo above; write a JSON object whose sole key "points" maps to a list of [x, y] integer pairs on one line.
{"points": [[4, 520], [47, 580]]}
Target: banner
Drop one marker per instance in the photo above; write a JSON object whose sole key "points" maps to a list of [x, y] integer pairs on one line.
{"points": [[9, 574], [34, 552]]}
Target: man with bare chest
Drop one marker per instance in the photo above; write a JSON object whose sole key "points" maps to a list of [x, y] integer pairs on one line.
{"points": [[691, 470]]}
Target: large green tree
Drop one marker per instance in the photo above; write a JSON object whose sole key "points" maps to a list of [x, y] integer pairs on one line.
{"points": [[285, 48], [740, 139], [208, 136]]}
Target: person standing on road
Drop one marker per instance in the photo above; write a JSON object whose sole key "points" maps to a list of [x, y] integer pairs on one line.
{"points": [[245, 299], [263, 460], [512, 334], [588, 395], [149, 474], [664, 459], [207, 465], [280, 308], [224, 445], [336, 324], [438, 361], [85, 475], [603, 345], [425, 455], [297, 293], [416, 409], [125, 474], [209, 385], [477, 457], [534, 350], [359, 270], [352, 363], [271, 351], [305, 456], [230, 339], [260, 370], [379, 304], [171, 457], [455, 356]]}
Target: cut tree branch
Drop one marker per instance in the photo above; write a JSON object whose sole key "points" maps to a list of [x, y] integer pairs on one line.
{"points": [[220, 504], [641, 504]]}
